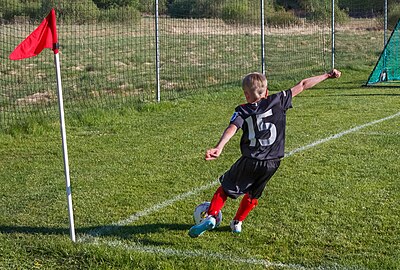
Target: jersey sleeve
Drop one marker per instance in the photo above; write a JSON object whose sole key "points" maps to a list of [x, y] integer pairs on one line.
{"points": [[237, 119], [286, 99]]}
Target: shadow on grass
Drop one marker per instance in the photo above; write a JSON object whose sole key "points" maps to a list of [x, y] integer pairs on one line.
{"points": [[129, 230], [105, 231], [32, 230], [110, 230]]}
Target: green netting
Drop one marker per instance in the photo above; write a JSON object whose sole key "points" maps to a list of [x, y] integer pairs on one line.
{"points": [[387, 68], [108, 50], [359, 33]]}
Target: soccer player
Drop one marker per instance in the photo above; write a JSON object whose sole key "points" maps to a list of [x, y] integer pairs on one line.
{"points": [[263, 121]]}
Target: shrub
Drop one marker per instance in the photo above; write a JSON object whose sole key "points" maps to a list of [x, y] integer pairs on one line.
{"points": [[181, 9], [248, 13], [239, 12], [362, 8], [195, 9], [120, 15], [32, 9], [393, 15], [106, 4], [323, 15], [341, 15], [282, 18], [146, 6], [233, 12], [73, 11], [289, 4], [11, 9], [319, 11]]}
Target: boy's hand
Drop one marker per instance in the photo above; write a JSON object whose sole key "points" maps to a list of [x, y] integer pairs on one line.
{"points": [[213, 153], [334, 73]]}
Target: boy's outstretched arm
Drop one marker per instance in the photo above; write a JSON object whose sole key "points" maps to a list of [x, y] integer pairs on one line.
{"points": [[312, 81], [215, 152]]}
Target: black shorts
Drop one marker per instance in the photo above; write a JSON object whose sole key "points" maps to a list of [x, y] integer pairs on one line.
{"points": [[248, 176]]}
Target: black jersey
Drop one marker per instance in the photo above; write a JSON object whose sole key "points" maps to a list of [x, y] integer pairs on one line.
{"points": [[263, 124]]}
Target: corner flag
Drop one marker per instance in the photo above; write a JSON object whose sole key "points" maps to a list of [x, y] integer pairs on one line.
{"points": [[45, 36]]}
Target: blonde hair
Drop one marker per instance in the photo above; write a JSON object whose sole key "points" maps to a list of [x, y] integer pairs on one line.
{"points": [[255, 84]]}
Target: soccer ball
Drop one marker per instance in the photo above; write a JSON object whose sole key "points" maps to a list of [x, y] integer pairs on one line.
{"points": [[200, 213]]}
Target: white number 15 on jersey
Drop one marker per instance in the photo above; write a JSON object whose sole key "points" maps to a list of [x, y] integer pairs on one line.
{"points": [[261, 126]]}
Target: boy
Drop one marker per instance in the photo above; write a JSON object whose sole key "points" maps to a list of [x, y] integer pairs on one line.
{"points": [[263, 121]]}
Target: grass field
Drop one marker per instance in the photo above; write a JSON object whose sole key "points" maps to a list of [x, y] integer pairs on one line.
{"points": [[138, 172]]}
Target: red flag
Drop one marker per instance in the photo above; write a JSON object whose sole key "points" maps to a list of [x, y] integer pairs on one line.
{"points": [[45, 36]]}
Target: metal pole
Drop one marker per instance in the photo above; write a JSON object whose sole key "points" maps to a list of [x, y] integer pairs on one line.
{"points": [[383, 76], [64, 148], [262, 38], [157, 52], [333, 33], [385, 24]]}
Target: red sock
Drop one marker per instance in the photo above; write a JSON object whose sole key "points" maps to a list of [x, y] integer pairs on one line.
{"points": [[217, 201], [246, 205]]}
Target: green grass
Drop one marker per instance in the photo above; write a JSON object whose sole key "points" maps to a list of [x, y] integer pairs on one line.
{"points": [[334, 206]]}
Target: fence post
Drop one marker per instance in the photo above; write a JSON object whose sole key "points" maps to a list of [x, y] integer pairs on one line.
{"points": [[385, 24], [384, 36], [157, 52], [262, 37], [333, 33]]}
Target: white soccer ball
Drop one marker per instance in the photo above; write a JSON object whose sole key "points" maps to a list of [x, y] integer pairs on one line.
{"points": [[200, 213]]}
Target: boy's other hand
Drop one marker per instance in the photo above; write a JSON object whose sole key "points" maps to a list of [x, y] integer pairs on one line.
{"points": [[334, 73], [213, 153]]}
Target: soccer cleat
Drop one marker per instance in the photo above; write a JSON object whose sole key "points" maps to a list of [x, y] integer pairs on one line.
{"points": [[207, 224], [236, 226]]}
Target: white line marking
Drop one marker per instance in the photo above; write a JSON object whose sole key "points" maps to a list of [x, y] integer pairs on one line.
{"points": [[210, 255], [340, 134], [387, 134], [90, 237], [106, 229], [194, 254]]}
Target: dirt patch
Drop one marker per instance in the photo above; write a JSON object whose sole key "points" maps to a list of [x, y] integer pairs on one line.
{"points": [[200, 27], [37, 98]]}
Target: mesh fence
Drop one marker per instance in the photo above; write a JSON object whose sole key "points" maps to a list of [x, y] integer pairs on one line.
{"points": [[359, 33], [102, 63], [108, 48]]}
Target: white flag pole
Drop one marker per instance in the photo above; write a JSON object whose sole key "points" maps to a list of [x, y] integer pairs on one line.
{"points": [[64, 148]]}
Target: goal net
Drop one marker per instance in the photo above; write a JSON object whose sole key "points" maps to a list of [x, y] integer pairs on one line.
{"points": [[387, 68]]}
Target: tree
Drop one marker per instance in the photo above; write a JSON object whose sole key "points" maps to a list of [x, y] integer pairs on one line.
{"points": [[105, 4]]}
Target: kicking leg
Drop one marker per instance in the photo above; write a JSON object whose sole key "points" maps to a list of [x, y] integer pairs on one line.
{"points": [[208, 223], [217, 202]]}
